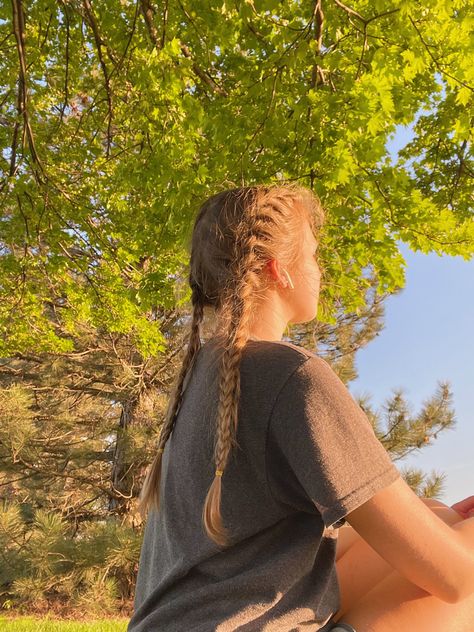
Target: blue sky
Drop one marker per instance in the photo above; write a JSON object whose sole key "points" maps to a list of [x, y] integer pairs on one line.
{"points": [[428, 338]]}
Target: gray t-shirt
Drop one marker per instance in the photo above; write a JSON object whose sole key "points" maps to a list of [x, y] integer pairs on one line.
{"points": [[307, 457]]}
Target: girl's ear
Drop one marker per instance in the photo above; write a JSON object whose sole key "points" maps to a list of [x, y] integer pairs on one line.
{"points": [[274, 269], [271, 268]]}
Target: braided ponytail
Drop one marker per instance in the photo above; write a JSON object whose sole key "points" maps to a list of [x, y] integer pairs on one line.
{"points": [[149, 495]]}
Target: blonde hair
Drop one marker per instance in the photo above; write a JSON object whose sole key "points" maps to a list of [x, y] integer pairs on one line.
{"points": [[235, 233]]}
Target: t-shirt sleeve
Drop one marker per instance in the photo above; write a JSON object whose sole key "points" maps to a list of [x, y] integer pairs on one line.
{"points": [[322, 453]]}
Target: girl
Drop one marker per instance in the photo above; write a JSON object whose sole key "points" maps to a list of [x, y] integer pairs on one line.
{"points": [[264, 455]]}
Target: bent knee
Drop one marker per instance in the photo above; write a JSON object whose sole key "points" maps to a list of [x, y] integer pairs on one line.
{"points": [[446, 513]]}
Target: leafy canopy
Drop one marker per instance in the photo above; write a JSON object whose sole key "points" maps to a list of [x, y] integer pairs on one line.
{"points": [[120, 118]]}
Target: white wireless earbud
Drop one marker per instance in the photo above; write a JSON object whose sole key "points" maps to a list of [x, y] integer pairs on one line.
{"points": [[289, 280]]}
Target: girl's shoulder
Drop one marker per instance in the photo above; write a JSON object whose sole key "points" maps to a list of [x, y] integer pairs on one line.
{"points": [[283, 348], [277, 357], [281, 343]]}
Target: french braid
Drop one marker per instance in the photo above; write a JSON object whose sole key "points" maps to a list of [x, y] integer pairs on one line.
{"points": [[235, 233]]}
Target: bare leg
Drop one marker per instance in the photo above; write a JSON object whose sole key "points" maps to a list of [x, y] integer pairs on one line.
{"points": [[394, 604], [360, 568], [397, 605]]}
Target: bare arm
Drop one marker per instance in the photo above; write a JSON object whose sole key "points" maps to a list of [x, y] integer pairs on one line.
{"points": [[348, 536]]}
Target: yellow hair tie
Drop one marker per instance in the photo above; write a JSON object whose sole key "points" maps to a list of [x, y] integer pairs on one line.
{"points": [[160, 449], [219, 472]]}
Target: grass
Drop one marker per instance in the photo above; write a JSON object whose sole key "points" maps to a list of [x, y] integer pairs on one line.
{"points": [[32, 624]]}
